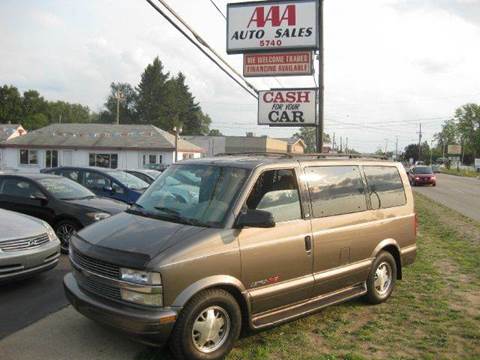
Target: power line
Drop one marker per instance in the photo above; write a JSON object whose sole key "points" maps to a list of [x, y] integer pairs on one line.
{"points": [[161, 12], [218, 9]]}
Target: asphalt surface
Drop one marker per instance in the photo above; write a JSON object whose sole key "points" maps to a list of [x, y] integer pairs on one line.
{"points": [[67, 334], [456, 192], [27, 301]]}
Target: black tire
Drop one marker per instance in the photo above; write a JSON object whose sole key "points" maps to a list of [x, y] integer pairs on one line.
{"points": [[182, 339], [377, 293], [60, 231]]}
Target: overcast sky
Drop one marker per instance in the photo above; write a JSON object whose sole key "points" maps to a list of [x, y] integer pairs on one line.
{"points": [[389, 64]]}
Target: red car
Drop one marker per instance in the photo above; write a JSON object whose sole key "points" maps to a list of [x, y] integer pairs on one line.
{"points": [[422, 175]]}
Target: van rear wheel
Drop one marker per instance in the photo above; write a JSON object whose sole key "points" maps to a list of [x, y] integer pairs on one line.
{"points": [[381, 280], [207, 327]]}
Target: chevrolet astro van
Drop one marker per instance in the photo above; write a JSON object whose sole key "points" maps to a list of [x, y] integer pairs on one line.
{"points": [[246, 241]]}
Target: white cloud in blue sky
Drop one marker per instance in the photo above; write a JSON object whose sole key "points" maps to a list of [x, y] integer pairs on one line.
{"points": [[385, 60]]}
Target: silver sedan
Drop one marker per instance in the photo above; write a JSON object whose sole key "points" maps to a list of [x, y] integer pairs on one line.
{"points": [[27, 246]]}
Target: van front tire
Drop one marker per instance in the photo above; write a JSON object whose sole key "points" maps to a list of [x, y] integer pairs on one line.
{"points": [[207, 327], [382, 277]]}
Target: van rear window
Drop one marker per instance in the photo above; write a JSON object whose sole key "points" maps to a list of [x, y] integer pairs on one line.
{"points": [[336, 190], [385, 186]]}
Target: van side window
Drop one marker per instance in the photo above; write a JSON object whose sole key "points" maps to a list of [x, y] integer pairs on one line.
{"points": [[335, 190], [276, 191], [385, 186]]}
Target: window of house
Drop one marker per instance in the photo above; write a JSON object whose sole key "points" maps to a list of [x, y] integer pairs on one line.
{"points": [[276, 191], [336, 190], [385, 186], [28, 157], [186, 156], [103, 160], [150, 160], [51, 158]]}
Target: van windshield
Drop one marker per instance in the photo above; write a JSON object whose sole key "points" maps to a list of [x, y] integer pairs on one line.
{"points": [[198, 195]]}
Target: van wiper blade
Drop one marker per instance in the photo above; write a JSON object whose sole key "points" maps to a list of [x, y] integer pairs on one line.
{"points": [[167, 210]]}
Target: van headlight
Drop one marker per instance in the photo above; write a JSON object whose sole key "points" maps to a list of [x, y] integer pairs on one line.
{"points": [[155, 299], [140, 277], [97, 216]]}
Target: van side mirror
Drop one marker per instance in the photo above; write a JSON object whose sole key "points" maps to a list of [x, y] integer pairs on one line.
{"points": [[255, 218]]}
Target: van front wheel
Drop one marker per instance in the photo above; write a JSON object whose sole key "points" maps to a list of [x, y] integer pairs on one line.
{"points": [[381, 280], [207, 327]]}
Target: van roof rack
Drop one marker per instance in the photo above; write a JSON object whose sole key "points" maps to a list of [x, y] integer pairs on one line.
{"points": [[306, 155]]}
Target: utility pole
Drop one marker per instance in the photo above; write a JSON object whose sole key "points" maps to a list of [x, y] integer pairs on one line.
{"points": [[346, 145], [420, 142], [386, 147], [118, 96], [396, 148], [341, 143], [177, 131], [320, 78], [333, 142]]}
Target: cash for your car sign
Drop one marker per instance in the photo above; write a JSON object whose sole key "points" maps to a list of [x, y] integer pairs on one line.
{"points": [[287, 107], [272, 25]]}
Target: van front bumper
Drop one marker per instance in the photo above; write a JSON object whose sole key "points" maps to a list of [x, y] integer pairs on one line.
{"points": [[152, 327]]}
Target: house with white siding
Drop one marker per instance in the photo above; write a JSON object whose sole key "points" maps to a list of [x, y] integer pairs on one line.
{"points": [[7, 132], [104, 145]]}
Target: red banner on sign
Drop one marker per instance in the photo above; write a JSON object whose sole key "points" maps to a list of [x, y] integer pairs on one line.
{"points": [[275, 64]]}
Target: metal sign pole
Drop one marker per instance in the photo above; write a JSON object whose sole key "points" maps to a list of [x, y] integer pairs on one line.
{"points": [[320, 78]]}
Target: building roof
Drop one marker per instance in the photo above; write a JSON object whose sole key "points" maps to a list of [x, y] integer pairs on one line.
{"points": [[102, 136], [6, 130], [292, 140]]}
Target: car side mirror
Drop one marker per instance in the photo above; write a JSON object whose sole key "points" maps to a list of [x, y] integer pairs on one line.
{"points": [[108, 189], [255, 218], [40, 197]]}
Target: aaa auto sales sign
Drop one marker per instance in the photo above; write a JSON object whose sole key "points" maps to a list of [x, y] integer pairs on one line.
{"points": [[287, 107], [272, 25]]}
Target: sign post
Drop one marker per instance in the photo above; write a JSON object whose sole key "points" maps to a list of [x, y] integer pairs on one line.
{"points": [[320, 78]]}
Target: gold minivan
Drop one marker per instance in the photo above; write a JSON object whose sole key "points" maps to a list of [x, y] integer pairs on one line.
{"points": [[244, 241]]}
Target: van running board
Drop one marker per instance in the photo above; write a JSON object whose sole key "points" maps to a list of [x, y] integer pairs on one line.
{"points": [[304, 308]]}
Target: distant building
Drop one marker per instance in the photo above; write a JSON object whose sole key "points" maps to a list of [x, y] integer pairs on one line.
{"points": [[105, 145], [7, 132], [235, 144]]}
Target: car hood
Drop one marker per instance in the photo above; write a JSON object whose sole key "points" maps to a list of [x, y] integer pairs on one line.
{"points": [[131, 240], [18, 226], [100, 203]]}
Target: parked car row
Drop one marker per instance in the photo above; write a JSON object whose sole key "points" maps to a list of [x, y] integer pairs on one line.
{"points": [[39, 212]]}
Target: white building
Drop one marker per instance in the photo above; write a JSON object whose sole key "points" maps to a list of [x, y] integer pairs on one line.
{"points": [[105, 145], [7, 132]]}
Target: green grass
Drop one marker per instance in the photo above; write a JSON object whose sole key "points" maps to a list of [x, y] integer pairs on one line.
{"points": [[461, 172], [434, 313]]}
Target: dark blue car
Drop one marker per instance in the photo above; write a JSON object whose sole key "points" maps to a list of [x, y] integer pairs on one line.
{"points": [[115, 184]]}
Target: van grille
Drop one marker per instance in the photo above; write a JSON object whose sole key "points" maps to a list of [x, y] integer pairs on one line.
{"points": [[25, 243], [99, 288], [94, 265]]}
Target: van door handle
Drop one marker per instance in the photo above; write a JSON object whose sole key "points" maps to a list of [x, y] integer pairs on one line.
{"points": [[308, 244]]}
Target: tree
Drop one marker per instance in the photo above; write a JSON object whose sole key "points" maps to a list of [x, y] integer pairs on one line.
{"points": [[33, 103], [411, 152], [214, 132], [127, 105], [468, 120], [308, 135], [10, 105], [151, 95]]}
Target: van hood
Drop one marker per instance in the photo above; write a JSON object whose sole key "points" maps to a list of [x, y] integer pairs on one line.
{"points": [[131, 240]]}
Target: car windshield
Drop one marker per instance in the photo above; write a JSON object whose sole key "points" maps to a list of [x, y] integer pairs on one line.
{"points": [[129, 180], [423, 170], [198, 195], [65, 189]]}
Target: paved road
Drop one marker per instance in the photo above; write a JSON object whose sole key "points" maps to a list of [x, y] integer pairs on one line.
{"points": [[458, 193], [68, 335], [27, 301]]}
